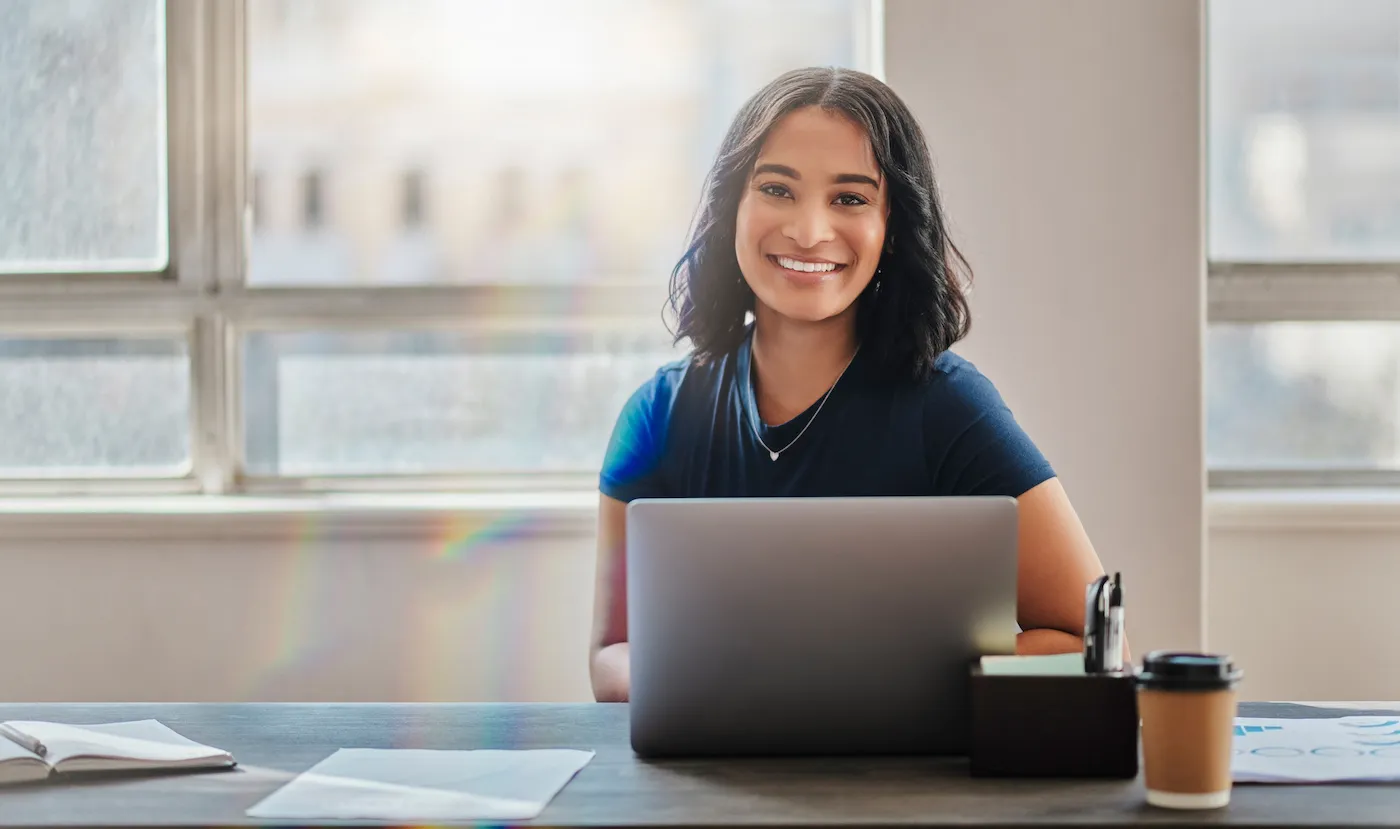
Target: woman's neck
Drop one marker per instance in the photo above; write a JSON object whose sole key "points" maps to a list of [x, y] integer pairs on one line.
{"points": [[795, 363]]}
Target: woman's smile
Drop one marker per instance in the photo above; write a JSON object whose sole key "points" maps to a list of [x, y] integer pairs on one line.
{"points": [[806, 271]]}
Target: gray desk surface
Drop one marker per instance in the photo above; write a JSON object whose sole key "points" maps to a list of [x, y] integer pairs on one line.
{"points": [[273, 742]]}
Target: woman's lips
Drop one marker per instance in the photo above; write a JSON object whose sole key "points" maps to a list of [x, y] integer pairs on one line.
{"points": [[805, 277]]}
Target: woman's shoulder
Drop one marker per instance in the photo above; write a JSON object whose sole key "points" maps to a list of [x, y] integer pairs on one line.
{"points": [[665, 384], [633, 461], [682, 383], [957, 386], [974, 444], [667, 378]]}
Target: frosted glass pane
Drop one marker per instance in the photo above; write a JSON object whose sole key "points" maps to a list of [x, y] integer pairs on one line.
{"points": [[418, 402], [82, 154], [72, 407]]}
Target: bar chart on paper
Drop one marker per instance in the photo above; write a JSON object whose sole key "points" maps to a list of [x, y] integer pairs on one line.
{"points": [[1316, 751]]}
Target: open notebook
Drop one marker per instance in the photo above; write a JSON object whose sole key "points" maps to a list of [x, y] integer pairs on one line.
{"points": [[33, 750]]}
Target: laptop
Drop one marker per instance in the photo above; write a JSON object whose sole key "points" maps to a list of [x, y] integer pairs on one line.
{"points": [[814, 626]]}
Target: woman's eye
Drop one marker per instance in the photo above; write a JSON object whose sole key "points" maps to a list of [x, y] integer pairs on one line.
{"points": [[850, 200], [776, 190]]}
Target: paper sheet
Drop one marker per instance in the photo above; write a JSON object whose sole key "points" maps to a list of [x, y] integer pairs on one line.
{"points": [[424, 785], [1316, 751], [1058, 664]]}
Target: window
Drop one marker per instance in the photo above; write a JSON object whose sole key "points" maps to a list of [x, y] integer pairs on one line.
{"points": [[84, 179], [85, 406], [1303, 349], [355, 243]]}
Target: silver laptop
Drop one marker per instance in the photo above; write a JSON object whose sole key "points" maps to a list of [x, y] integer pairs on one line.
{"points": [[808, 626]]}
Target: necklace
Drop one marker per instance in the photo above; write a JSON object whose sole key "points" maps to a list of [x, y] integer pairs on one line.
{"points": [[774, 453]]}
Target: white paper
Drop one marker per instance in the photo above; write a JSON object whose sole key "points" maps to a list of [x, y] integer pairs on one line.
{"points": [[1056, 664], [139, 743], [424, 785], [1316, 751]]}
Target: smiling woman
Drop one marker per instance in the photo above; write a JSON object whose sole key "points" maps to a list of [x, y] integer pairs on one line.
{"points": [[821, 220]]}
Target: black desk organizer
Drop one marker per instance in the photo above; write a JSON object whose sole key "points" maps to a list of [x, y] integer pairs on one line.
{"points": [[1053, 726]]}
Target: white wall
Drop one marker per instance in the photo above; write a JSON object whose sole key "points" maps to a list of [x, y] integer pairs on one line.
{"points": [[1302, 594], [410, 607], [1066, 138]]}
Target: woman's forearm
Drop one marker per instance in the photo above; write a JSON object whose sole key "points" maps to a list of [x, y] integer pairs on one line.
{"points": [[611, 673], [1047, 640]]}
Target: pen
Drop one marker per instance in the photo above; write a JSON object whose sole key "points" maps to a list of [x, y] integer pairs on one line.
{"points": [[1113, 657], [23, 740], [1095, 625]]}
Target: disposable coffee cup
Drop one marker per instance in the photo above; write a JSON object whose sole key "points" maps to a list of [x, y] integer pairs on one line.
{"points": [[1187, 705]]}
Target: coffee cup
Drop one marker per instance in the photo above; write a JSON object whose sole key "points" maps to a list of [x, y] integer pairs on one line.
{"points": [[1187, 705]]}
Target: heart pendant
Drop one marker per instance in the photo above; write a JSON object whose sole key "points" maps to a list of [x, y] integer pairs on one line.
{"points": [[773, 455]]}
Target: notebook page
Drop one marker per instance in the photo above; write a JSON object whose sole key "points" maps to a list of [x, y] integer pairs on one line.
{"points": [[140, 743], [20, 764]]}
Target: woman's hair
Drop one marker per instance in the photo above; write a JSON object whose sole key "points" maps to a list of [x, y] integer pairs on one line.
{"points": [[913, 309]]}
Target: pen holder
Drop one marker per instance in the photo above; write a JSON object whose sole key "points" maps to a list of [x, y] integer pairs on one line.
{"points": [[1053, 726]]}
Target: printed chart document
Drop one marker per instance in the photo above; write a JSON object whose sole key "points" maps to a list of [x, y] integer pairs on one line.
{"points": [[31, 750], [419, 785], [1346, 749]]}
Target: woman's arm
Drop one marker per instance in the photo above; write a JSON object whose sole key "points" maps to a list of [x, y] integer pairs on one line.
{"points": [[608, 664], [1056, 564]]}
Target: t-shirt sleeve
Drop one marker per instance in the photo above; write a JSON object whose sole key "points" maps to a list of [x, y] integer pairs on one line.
{"points": [[975, 445], [632, 462]]}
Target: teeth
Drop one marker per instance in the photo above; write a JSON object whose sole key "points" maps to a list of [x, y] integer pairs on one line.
{"points": [[808, 267]]}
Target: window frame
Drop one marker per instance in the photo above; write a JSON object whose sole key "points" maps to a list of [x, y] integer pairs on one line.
{"points": [[202, 295], [1256, 291], [1262, 292]]}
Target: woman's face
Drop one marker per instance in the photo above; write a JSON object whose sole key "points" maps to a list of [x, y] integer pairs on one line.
{"points": [[812, 218]]}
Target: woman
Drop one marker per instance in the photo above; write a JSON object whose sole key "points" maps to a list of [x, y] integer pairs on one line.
{"points": [[821, 219]]}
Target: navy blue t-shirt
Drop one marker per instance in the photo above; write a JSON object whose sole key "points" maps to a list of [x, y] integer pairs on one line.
{"points": [[688, 432]]}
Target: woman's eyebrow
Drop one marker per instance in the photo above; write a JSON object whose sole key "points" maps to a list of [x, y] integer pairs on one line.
{"points": [[856, 178], [778, 169], [842, 178]]}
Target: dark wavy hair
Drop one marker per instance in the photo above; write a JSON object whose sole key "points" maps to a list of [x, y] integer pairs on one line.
{"points": [[915, 307]]}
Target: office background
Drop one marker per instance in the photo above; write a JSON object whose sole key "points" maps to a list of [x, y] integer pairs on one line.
{"points": [[1070, 141]]}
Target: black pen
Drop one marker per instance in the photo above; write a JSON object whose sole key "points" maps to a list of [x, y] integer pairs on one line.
{"points": [[1113, 656], [1095, 626]]}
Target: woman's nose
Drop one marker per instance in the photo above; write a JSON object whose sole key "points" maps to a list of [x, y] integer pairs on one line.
{"points": [[809, 227]]}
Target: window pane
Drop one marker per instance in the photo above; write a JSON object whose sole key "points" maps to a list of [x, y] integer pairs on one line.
{"points": [[79, 408], [1303, 395], [1304, 130], [82, 158], [328, 403], [533, 141]]}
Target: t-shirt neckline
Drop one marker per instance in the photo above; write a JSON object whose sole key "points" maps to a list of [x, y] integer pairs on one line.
{"points": [[778, 437]]}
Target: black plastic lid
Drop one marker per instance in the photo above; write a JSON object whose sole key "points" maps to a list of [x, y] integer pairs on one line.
{"points": [[1181, 671]]}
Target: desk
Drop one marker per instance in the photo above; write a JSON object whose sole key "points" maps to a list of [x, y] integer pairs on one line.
{"points": [[274, 741]]}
